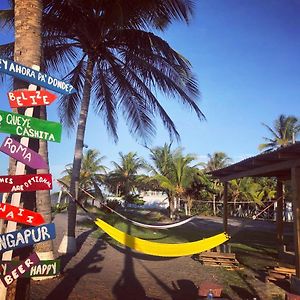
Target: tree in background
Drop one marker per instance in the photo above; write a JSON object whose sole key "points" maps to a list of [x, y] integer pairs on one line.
{"points": [[174, 173], [124, 179], [217, 160], [284, 133], [92, 175]]}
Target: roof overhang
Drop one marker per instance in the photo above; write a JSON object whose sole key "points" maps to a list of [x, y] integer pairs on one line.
{"points": [[277, 163]]}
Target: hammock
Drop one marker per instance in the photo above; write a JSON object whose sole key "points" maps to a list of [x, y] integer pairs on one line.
{"points": [[162, 249], [153, 248], [136, 223]]}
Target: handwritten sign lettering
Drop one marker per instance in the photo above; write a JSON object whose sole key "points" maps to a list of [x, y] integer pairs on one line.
{"points": [[20, 215], [23, 154], [24, 98], [29, 127], [25, 237], [42, 268], [32, 76], [20, 270], [25, 183]]}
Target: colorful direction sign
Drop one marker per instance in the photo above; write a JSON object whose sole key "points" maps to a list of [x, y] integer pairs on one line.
{"points": [[29, 127], [24, 98], [42, 268], [23, 154], [26, 237], [20, 270], [25, 183], [32, 76], [20, 215]]}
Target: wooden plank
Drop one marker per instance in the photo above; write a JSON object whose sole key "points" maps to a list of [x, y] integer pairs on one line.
{"points": [[217, 254]]}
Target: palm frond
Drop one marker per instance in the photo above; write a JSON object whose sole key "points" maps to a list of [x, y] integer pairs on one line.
{"points": [[69, 104]]}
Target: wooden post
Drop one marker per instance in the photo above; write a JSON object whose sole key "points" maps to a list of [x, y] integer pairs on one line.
{"points": [[225, 208], [296, 215], [279, 213]]}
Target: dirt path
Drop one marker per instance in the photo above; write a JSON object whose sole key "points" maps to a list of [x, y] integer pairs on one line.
{"points": [[101, 271]]}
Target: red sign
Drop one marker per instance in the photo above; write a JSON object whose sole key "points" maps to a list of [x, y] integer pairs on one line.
{"points": [[25, 183], [20, 215], [24, 98], [17, 272]]}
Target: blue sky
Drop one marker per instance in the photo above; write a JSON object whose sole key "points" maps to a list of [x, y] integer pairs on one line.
{"points": [[245, 55]]}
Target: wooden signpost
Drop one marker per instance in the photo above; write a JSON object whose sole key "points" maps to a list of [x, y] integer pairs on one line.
{"points": [[25, 183], [29, 127], [32, 76], [23, 154], [25, 98], [26, 237], [20, 215], [20, 270], [41, 269]]}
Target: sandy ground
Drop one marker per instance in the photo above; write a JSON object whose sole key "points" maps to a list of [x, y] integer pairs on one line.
{"points": [[102, 271]]}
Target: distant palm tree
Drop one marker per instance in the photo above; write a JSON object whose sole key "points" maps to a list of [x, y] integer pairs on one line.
{"points": [[284, 133], [217, 160], [176, 176], [123, 180], [92, 174]]}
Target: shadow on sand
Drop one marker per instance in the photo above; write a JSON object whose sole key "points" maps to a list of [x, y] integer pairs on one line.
{"points": [[85, 266], [129, 287]]}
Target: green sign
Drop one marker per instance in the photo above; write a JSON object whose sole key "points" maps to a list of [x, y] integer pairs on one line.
{"points": [[42, 268], [29, 127]]}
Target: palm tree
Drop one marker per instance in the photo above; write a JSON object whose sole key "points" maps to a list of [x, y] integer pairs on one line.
{"points": [[174, 173], [119, 64], [92, 174], [216, 161], [284, 133], [27, 51], [124, 178]]}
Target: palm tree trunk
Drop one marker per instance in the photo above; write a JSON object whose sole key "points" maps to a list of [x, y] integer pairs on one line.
{"points": [[27, 51], [68, 244], [43, 201]]}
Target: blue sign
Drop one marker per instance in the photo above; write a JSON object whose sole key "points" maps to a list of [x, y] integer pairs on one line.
{"points": [[26, 237], [32, 76]]}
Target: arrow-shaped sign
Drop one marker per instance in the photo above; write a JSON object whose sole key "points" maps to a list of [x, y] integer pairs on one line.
{"points": [[20, 215], [23, 154], [32, 76], [25, 183], [29, 127], [42, 268], [24, 98], [20, 270], [26, 237]]}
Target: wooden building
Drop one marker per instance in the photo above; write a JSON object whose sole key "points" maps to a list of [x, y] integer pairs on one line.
{"points": [[284, 164]]}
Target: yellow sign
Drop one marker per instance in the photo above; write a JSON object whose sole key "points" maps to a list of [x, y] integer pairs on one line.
{"points": [[160, 249]]}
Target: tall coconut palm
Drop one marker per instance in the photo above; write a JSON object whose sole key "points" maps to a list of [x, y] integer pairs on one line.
{"points": [[27, 51], [119, 64], [284, 133], [124, 178]]}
